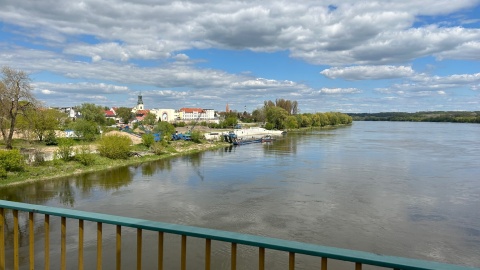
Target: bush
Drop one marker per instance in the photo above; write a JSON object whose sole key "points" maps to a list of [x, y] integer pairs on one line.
{"points": [[84, 155], [12, 160], [196, 136], [3, 173], [148, 139], [65, 149], [38, 158], [115, 146], [158, 148], [269, 126], [51, 138]]}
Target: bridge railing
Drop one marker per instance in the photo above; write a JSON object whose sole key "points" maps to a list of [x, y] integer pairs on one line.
{"points": [[291, 248]]}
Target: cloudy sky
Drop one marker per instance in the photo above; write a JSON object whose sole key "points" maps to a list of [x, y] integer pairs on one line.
{"points": [[348, 56]]}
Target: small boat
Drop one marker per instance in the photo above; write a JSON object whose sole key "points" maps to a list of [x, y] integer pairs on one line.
{"points": [[246, 141], [267, 138]]}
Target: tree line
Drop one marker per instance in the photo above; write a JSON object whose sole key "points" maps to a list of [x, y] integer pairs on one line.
{"points": [[430, 116]]}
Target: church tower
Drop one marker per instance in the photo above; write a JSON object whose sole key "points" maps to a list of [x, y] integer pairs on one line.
{"points": [[140, 102]]}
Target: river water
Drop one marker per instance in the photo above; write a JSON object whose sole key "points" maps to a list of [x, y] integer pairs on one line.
{"points": [[395, 188]]}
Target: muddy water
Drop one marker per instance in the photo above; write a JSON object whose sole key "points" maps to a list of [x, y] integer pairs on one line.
{"points": [[401, 189]]}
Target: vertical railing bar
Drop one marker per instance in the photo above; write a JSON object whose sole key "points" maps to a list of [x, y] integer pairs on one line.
{"points": [[47, 242], [31, 242], [160, 250], [139, 249], [208, 251], [358, 266], [99, 246], [80, 244], [233, 262], [63, 252], [119, 248], [184, 253], [324, 263], [15, 240], [2, 239], [291, 260], [261, 258]]}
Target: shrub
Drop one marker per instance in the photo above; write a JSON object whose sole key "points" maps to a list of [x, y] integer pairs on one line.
{"points": [[3, 173], [158, 148], [84, 155], [12, 160], [51, 138], [65, 149], [38, 158], [115, 146], [196, 136], [148, 139]]}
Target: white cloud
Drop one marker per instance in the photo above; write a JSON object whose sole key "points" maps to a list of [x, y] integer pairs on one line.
{"points": [[368, 72], [336, 91]]}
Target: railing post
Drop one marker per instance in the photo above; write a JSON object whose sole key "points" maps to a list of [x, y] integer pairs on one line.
{"points": [[2, 239], [208, 249], [261, 258], [15, 240], [234, 256], [324, 263], [47, 242], [119, 248], [184, 253], [80, 244], [139, 249], [291, 261], [63, 255], [358, 266], [99, 246], [31, 241], [160, 250]]}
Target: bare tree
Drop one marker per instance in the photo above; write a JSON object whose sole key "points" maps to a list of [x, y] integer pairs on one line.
{"points": [[15, 97]]}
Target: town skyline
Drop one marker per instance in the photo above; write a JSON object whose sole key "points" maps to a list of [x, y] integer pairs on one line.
{"points": [[348, 56]]}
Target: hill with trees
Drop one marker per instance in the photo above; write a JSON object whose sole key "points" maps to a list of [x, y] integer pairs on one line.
{"points": [[430, 116]]}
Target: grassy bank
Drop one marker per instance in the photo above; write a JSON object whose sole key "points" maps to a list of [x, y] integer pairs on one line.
{"points": [[58, 168]]}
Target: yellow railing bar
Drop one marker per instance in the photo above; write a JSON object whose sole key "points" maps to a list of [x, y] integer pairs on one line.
{"points": [[2, 239], [47, 242], [139, 249], [31, 242], [324, 263], [184, 253], [234, 256], [208, 250], [261, 258], [291, 260], [160, 250], [63, 254], [15, 239], [358, 266], [99, 246], [80, 244], [119, 248]]}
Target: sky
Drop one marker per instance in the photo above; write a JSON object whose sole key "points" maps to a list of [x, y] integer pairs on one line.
{"points": [[347, 56]]}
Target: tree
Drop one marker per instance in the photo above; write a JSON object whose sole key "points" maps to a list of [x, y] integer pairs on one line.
{"points": [[125, 114], [84, 129], [15, 97], [42, 121], [166, 129], [149, 119], [93, 113], [276, 116]]}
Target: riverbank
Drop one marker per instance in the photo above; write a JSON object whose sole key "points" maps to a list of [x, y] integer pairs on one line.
{"points": [[58, 169]]}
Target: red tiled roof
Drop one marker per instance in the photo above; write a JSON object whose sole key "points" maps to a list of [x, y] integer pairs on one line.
{"points": [[191, 110], [142, 112], [109, 113]]}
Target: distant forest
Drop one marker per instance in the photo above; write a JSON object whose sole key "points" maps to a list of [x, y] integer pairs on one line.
{"points": [[432, 116]]}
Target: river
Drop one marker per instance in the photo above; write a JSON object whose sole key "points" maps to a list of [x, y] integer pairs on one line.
{"points": [[395, 188]]}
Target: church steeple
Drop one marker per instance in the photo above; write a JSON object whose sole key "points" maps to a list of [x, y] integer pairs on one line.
{"points": [[140, 102]]}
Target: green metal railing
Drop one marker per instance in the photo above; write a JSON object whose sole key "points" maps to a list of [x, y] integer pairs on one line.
{"points": [[291, 248]]}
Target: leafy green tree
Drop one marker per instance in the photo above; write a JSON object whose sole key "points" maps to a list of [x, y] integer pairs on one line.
{"points": [[165, 128], [84, 129], [44, 120], [291, 122], [148, 139], [93, 113], [149, 119], [15, 97], [196, 136], [51, 138], [125, 114], [65, 149], [276, 116]]}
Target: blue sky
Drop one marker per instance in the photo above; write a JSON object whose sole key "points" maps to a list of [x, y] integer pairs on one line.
{"points": [[347, 56]]}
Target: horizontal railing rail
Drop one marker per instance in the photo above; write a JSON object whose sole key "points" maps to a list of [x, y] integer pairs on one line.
{"points": [[359, 258]]}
